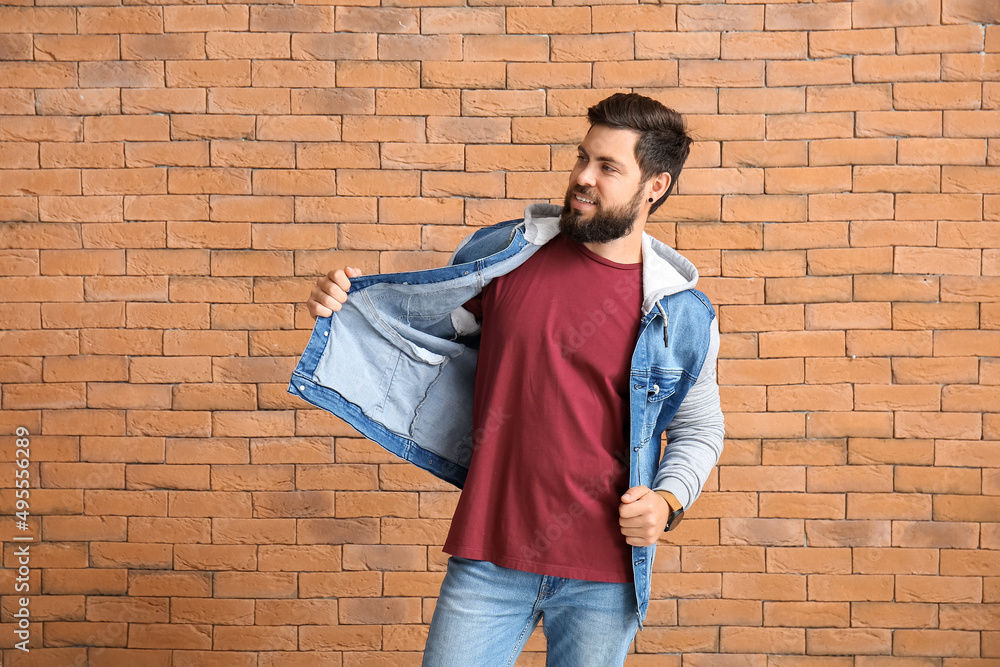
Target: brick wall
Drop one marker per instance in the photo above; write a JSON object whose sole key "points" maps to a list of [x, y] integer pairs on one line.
{"points": [[173, 177]]}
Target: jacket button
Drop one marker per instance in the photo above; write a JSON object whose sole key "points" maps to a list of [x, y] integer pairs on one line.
{"points": [[635, 449], [638, 386], [656, 389]]}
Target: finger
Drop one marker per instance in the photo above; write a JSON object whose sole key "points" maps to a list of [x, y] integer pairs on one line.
{"points": [[634, 494], [321, 304], [629, 511], [317, 310], [641, 522], [352, 272], [639, 541], [635, 535], [326, 289], [340, 279]]}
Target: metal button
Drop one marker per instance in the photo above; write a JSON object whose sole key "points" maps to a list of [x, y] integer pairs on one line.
{"points": [[656, 389]]}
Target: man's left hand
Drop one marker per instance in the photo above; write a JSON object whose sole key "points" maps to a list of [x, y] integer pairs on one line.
{"points": [[642, 516]]}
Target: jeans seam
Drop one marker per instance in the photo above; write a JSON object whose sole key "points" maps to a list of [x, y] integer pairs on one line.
{"points": [[521, 640]]}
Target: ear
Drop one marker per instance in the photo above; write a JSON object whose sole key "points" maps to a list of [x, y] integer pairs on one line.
{"points": [[658, 185]]}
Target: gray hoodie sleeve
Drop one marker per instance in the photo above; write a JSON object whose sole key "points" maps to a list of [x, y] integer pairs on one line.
{"points": [[694, 435]]}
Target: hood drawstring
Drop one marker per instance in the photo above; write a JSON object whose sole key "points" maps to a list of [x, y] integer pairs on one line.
{"points": [[666, 322]]}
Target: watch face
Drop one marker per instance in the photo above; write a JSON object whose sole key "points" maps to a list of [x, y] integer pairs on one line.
{"points": [[675, 519]]}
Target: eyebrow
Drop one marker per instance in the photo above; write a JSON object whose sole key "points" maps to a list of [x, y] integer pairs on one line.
{"points": [[609, 160]]}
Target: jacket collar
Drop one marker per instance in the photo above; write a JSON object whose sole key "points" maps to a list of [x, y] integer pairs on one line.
{"points": [[664, 270]]}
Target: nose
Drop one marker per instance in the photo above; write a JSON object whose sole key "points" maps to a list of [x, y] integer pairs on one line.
{"points": [[583, 175]]}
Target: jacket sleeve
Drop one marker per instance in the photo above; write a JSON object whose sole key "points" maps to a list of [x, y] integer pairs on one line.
{"points": [[695, 434]]}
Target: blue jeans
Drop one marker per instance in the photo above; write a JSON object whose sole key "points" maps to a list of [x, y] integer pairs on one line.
{"points": [[486, 613]]}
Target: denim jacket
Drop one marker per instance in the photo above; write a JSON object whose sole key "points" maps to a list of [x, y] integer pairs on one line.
{"points": [[398, 363]]}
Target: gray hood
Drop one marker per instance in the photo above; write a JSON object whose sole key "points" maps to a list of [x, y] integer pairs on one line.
{"points": [[664, 270]]}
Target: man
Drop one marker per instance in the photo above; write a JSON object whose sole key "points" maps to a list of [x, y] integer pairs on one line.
{"points": [[537, 371]]}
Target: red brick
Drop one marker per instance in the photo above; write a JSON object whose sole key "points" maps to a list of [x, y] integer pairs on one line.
{"points": [[831, 125], [896, 397], [445, 74], [114, 182], [938, 95], [965, 453], [205, 18], [32, 19], [967, 562], [896, 179], [714, 17], [903, 123], [963, 508], [444, 129], [836, 261], [888, 506], [942, 151], [850, 207], [770, 208], [377, 20], [121, 74], [393, 47], [848, 315], [17, 47], [763, 101], [808, 614], [180, 154], [875, 233], [40, 75], [299, 74], [193, 74], [359, 74], [195, 610], [249, 100], [819, 370], [765, 154], [966, 66], [291, 19], [771, 45], [162, 47], [801, 343], [896, 288], [173, 635], [468, 20], [57, 182], [852, 151], [879, 13], [78, 103]]}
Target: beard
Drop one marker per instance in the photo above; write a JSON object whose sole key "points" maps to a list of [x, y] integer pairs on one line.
{"points": [[605, 225]]}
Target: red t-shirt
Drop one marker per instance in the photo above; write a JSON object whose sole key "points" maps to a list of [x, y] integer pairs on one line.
{"points": [[550, 417]]}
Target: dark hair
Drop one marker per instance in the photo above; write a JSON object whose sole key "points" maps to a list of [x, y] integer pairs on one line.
{"points": [[663, 144]]}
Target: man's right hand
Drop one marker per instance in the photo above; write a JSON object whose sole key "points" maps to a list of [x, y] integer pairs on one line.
{"points": [[330, 292]]}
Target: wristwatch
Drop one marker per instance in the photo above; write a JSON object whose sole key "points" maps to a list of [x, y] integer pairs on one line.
{"points": [[676, 510]]}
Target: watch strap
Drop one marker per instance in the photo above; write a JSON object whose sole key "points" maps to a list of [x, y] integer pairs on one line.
{"points": [[676, 509]]}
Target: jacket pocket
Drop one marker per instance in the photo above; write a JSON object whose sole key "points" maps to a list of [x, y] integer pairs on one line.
{"points": [[662, 386]]}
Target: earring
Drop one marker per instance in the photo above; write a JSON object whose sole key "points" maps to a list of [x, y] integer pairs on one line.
{"points": [[650, 200]]}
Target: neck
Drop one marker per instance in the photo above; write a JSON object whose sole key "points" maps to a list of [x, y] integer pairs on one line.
{"points": [[624, 250]]}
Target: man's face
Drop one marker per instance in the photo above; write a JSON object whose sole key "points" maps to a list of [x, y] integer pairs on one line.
{"points": [[605, 193]]}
